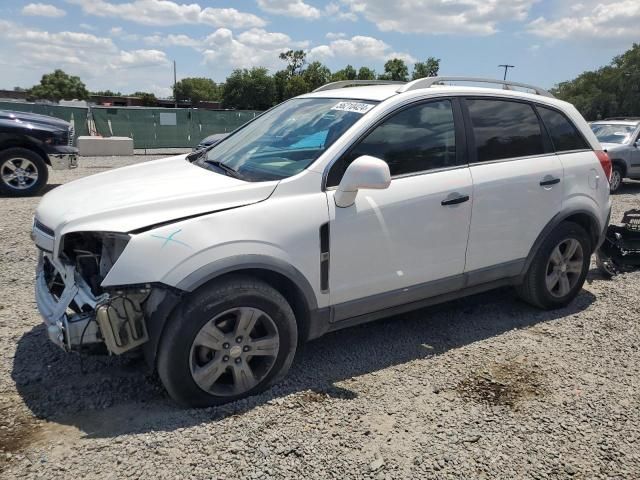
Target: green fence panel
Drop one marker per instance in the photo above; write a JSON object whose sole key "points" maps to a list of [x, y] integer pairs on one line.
{"points": [[148, 127], [77, 116], [208, 122], [173, 127], [134, 123]]}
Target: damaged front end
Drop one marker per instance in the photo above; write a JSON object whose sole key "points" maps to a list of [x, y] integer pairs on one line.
{"points": [[77, 311]]}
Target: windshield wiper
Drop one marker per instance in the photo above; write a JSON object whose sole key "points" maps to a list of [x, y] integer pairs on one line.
{"points": [[229, 171]]}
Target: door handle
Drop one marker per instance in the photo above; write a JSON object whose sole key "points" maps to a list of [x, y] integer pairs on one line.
{"points": [[548, 180], [454, 199]]}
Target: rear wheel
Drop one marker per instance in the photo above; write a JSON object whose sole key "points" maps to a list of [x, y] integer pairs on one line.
{"points": [[230, 340], [559, 268], [22, 172], [617, 174]]}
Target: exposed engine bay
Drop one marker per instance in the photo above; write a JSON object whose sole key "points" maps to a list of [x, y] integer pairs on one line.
{"points": [[78, 311]]}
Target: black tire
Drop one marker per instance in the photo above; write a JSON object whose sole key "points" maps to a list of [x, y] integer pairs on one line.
{"points": [[534, 289], [11, 188], [176, 350], [617, 175]]}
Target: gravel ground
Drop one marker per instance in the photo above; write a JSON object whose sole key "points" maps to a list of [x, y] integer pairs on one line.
{"points": [[486, 387]]}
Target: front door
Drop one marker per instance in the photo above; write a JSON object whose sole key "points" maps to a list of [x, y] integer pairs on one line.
{"points": [[634, 167], [407, 242]]}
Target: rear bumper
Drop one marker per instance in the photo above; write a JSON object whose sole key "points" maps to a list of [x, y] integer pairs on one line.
{"points": [[603, 232]]}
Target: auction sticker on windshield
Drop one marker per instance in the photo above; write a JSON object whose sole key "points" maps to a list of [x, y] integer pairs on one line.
{"points": [[357, 107]]}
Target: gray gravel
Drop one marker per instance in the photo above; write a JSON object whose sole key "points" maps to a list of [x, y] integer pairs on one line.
{"points": [[487, 387]]}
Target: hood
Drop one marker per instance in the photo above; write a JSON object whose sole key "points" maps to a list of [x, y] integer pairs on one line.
{"points": [[129, 198], [34, 119], [612, 146]]}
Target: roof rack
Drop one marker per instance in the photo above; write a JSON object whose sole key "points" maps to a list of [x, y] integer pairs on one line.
{"points": [[352, 83], [430, 81]]}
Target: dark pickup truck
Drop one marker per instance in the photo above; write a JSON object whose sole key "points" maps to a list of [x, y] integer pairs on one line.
{"points": [[28, 144]]}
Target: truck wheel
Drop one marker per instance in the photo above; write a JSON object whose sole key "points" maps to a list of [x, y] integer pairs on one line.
{"points": [[22, 172], [616, 178], [559, 268], [227, 341]]}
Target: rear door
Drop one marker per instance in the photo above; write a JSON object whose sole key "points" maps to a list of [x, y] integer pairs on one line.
{"points": [[517, 185]]}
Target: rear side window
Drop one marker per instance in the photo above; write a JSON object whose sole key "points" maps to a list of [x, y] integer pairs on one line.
{"points": [[564, 134], [504, 129], [416, 139]]}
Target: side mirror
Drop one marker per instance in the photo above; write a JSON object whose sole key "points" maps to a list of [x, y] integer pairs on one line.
{"points": [[364, 172]]}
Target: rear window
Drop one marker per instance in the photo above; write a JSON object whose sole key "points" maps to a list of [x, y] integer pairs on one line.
{"points": [[504, 129], [564, 135]]}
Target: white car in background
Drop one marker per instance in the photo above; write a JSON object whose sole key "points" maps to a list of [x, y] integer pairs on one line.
{"points": [[334, 208]]}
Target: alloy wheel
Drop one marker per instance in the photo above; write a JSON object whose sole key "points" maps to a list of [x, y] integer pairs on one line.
{"points": [[564, 267], [19, 173], [234, 351], [616, 180]]}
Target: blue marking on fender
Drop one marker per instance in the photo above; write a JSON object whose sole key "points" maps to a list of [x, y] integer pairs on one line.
{"points": [[171, 239]]}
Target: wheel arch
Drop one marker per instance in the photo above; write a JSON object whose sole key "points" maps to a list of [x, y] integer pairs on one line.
{"points": [[584, 218], [619, 162], [26, 144], [285, 278]]}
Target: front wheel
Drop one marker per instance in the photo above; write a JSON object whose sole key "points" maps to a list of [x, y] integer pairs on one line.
{"points": [[231, 339], [22, 172], [558, 269]]}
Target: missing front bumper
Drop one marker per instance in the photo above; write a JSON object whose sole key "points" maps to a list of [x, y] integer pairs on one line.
{"points": [[115, 319]]}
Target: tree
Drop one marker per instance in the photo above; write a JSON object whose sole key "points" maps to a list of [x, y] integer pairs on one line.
{"points": [[347, 73], [613, 90], [280, 79], [249, 90], [296, 60], [148, 99], [429, 68], [196, 89], [365, 73], [296, 86], [395, 69], [316, 75], [106, 93], [58, 86]]}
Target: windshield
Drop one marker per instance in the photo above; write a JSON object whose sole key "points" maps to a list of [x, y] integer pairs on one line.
{"points": [[612, 132], [284, 140]]}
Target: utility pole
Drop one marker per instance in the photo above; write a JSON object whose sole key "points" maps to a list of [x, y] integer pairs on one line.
{"points": [[506, 67], [175, 97]]}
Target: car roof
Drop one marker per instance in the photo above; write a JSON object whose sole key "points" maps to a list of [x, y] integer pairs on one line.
{"points": [[383, 92]]}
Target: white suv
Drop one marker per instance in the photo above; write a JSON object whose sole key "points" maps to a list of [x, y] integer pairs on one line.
{"points": [[331, 209]]}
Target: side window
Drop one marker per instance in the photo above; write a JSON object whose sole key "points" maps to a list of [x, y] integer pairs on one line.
{"points": [[416, 139], [564, 134], [504, 129]]}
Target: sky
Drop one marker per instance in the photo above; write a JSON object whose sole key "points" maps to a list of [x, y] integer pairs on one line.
{"points": [[130, 45]]}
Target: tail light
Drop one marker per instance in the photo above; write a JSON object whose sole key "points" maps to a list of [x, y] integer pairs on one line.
{"points": [[605, 161]]}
